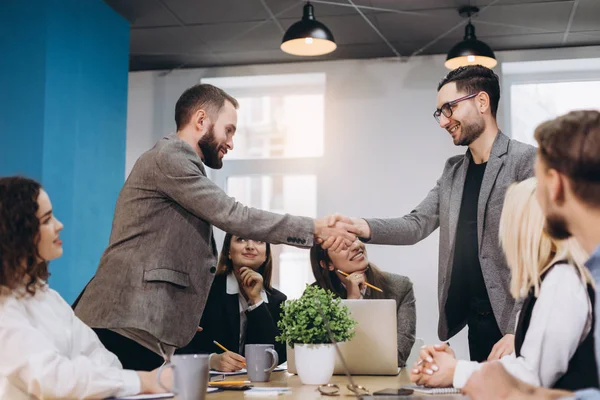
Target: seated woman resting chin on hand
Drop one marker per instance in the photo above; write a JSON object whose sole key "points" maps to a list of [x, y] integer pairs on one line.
{"points": [[242, 306]]}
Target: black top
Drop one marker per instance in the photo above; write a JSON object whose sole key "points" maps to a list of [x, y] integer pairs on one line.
{"points": [[582, 371], [467, 287], [221, 322]]}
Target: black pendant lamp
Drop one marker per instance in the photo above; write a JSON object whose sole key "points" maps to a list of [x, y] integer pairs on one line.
{"points": [[308, 37], [470, 51]]}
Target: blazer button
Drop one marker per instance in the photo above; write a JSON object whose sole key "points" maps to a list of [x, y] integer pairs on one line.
{"points": [[212, 269]]}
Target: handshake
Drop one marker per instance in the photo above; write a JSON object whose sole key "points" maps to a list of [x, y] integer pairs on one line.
{"points": [[338, 232]]}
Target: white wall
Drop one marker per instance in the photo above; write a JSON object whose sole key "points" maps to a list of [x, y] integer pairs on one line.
{"points": [[383, 149]]}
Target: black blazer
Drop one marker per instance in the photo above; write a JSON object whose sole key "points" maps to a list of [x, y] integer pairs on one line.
{"points": [[221, 322]]}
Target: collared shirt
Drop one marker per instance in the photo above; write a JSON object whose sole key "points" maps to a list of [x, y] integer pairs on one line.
{"points": [[593, 265], [48, 352], [233, 287], [560, 321]]}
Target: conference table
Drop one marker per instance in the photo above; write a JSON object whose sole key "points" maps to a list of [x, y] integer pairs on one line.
{"points": [[306, 392]]}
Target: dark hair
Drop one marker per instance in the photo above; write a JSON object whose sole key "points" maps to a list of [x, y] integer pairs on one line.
{"points": [[201, 96], [473, 79], [570, 144], [19, 229], [225, 266], [330, 280]]}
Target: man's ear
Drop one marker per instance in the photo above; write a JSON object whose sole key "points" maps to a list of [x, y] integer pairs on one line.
{"points": [[200, 119], [556, 186], [483, 102]]}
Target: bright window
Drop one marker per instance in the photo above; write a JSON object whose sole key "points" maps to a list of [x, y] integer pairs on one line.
{"points": [[282, 117], [273, 165], [541, 90], [279, 193], [534, 103]]}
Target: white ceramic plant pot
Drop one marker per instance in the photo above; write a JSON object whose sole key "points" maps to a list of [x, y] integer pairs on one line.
{"points": [[314, 363]]}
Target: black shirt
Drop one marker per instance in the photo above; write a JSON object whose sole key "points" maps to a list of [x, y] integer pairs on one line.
{"points": [[467, 287]]}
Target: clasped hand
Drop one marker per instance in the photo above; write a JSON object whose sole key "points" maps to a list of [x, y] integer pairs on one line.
{"points": [[435, 366], [338, 232]]}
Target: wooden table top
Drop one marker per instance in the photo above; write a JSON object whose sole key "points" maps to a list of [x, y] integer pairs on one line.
{"points": [[307, 392]]}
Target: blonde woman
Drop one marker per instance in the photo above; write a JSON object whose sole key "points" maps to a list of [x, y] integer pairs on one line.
{"points": [[553, 340]]}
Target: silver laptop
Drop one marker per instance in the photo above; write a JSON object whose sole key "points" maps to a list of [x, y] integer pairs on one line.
{"points": [[374, 348]]}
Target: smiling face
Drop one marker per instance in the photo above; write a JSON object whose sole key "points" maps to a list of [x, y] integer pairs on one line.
{"points": [[218, 138], [465, 124], [247, 253], [351, 260], [49, 245]]}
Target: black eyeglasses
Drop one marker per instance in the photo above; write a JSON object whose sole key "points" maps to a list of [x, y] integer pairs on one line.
{"points": [[446, 108]]}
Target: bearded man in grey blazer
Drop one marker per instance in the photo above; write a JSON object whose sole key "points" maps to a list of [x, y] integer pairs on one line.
{"points": [[149, 292], [466, 203]]}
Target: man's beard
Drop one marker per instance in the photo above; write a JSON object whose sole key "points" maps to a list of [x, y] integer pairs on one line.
{"points": [[556, 227], [470, 132], [210, 149]]}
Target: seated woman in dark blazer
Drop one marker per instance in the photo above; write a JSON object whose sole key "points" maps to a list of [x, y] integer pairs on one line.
{"points": [[326, 266], [242, 307]]}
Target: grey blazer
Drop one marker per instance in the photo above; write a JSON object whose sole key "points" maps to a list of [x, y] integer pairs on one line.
{"points": [[510, 161], [401, 290], [155, 276]]}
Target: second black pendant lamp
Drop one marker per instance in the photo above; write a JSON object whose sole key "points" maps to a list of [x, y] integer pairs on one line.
{"points": [[308, 37], [470, 51]]}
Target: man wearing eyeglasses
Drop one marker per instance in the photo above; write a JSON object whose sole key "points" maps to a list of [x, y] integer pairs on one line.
{"points": [[466, 203]]}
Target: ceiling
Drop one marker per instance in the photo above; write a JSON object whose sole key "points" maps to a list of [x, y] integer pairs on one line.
{"points": [[170, 34]]}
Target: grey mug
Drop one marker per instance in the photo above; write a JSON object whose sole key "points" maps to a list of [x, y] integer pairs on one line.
{"points": [[190, 376], [261, 360]]}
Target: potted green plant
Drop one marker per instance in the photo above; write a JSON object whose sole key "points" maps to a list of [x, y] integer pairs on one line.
{"points": [[303, 329]]}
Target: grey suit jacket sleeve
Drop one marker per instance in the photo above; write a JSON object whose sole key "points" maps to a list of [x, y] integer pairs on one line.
{"points": [[527, 164], [400, 288], [181, 177], [407, 315], [411, 228], [526, 170]]}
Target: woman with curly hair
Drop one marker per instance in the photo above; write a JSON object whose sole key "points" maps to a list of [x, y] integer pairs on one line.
{"points": [[47, 352]]}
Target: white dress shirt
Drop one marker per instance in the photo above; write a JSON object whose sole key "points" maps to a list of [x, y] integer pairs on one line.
{"points": [[233, 287], [560, 320], [47, 352]]}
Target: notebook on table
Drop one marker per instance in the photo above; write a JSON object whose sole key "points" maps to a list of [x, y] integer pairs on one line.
{"points": [[429, 390]]}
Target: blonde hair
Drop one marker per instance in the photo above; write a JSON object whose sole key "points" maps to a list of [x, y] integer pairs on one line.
{"points": [[529, 250]]}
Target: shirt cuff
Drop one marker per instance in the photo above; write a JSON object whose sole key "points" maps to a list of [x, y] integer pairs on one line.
{"points": [[131, 383], [255, 306], [463, 372], [586, 394]]}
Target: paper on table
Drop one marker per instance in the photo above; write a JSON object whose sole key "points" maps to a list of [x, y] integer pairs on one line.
{"points": [[156, 396], [269, 389], [145, 396], [243, 371]]}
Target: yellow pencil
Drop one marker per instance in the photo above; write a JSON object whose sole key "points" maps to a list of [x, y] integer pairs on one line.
{"points": [[366, 283], [223, 348], [220, 345]]}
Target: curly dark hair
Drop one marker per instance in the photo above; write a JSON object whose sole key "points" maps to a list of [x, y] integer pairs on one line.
{"points": [[19, 227]]}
